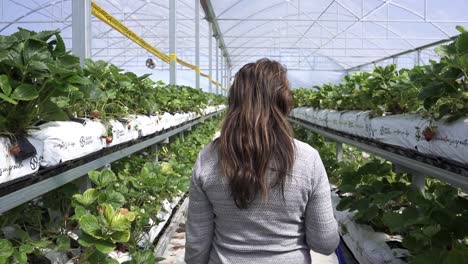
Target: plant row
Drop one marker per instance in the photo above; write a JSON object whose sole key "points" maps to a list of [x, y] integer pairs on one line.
{"points": [[435, 90], [41, 81], [109, 222], [432, 223]]}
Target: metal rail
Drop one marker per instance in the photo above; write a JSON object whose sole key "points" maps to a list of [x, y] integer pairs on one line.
{"points": [[412, 164], [28, 193], [403, 53]]}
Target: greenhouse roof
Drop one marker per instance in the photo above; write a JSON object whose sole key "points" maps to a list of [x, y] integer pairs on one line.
{"points": [[321, 35]]}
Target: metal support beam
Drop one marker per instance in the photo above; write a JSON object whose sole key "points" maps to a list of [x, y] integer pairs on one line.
{"points": [[172, 41], [339, 151], [405, 52], [81, 47], [81, 29], [221, 72], [418, 57], [210, 56], [422, 168], [418, 181], [197, 43], [217, 66], [154, 151], [211, 17]]}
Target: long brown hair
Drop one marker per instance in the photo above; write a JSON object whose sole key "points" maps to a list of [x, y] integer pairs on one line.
{"points": [[256, 133]]}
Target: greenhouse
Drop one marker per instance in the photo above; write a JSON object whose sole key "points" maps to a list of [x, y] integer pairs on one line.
{"points": [[107, 108]]}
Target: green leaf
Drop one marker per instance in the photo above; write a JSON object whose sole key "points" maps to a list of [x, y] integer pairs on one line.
{"points": [[115, 199], [431, 230], [103, 178], [103, 246], [461, 29], [5, 84], [38, 66], [21, 257], [8, 99], [462, 43], [144, 256], [4, 260], [383, 198], [87, 198], [121, 222], [6, 248], [79, 212], [121, 236], [3, 54], [44, 35], [89, 224], [26, 248], [25, 92], [63, 243], [35, 50], [75, 79], [394, 221]]}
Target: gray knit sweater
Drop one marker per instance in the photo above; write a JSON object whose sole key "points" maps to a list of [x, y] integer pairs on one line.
{"points": [[279, 232]]}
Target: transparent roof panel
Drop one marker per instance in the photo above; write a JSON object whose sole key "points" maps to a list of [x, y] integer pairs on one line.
{"points": [[346, 33], [305, 35]]}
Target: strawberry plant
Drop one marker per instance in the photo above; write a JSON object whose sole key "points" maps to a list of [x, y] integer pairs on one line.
{"points": [[37, 75]]}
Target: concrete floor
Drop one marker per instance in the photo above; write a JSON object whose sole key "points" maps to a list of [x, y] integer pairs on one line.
{"points": [[174, 254]]}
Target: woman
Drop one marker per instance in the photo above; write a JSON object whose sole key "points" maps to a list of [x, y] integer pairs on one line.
{"points": [[256, 194]]}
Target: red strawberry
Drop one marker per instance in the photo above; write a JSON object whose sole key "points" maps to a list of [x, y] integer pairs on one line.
{"points": [[95, 114], [108, 140], [15, 150], [428, 133]]}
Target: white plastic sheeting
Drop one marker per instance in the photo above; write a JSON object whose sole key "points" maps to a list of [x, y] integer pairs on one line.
{"points": [[316, 40], [450, 140]]}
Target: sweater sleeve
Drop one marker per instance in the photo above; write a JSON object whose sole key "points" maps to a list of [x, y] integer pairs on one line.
{"points": [[199, 226], [321, 227]]}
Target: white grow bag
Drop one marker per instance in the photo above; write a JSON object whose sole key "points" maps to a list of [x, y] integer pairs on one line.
{"points": [[10, 168], [356, 123], [166, 120], [333, 120], [367, 246], [64, 141], [450, 141], [122, 133], [145, 124], [310, 115], [399, 130]]}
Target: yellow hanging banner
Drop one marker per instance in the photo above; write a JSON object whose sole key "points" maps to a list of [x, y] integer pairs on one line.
{"points": [[107, 18], [117, 25]]}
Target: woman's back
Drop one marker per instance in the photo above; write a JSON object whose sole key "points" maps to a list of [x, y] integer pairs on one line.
{"points": [[256, 195], [279, 231]]}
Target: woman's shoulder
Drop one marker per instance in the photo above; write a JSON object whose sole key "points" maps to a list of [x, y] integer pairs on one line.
{"points": [[304, 150]]}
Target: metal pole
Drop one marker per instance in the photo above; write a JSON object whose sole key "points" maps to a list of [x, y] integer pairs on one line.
{"points": [[172, 41], [339, 151], [217, 66], [81, 47], [221, 72], [154, 150], [197, 43], [81, 29], [418, 181], [418, 57], [210, 56]]}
